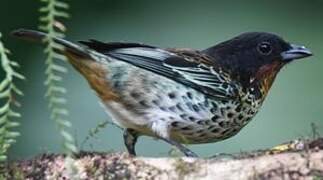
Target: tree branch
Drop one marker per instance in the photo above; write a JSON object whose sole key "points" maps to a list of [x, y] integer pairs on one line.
{"points": [[304, 161]]}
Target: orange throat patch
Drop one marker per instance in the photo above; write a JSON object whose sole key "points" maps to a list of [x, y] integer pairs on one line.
{"points": [[96, 74], [266, 76]]}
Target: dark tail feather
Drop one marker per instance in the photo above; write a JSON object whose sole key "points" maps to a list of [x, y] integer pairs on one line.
{"points": [[37, 36]]}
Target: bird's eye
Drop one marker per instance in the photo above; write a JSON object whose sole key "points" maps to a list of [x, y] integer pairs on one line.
{"points": [[264, 48]]}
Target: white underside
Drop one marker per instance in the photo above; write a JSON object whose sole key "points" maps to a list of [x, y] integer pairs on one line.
{"points": [[147, 124]]}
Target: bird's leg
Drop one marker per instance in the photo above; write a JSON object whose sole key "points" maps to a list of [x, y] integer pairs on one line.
{"points": [[181, 147], [130, 137]]}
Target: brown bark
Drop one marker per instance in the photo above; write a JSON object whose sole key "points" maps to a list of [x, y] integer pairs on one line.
{"points": [[300, 160]]}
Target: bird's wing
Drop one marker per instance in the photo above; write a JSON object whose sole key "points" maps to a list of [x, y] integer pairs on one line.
{"points": [[188, 67]]}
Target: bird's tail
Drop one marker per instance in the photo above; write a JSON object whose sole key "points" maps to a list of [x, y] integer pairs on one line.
{"points": [[68, 47], [86, 61]]}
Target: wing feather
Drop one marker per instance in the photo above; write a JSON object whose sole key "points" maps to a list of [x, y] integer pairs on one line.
{"points": [[175, 66]]}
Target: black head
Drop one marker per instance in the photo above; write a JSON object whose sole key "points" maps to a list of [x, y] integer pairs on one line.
{"points": [[252, 55]]}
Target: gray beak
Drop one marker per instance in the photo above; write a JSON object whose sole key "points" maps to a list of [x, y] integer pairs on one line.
{"points": [[296, 52]]}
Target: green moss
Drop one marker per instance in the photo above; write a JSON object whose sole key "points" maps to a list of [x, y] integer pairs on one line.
{"points": [[317, 178], [18, 174], [184, 168]]}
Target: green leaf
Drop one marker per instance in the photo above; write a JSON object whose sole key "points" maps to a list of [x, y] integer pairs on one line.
{"points": [[61, 5], [3, 120], [3, 157], [61, 14], [14, 64], [5, 93], [14, 114], [5, 108], [4, 84], [18, 75], [12, 134], [71, 147], [17, 91], [13, 124], [64, 123], [67, 136], [43, 9]]}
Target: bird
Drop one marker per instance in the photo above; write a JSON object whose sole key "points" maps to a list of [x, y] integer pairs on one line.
{"points": [[180, 95]]}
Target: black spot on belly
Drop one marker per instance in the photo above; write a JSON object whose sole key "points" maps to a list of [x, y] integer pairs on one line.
{"points": [[200, 122], [143, 103], [223, 124], [188, 133], [172, 108], [117, 85], [235, 131], [162, 108], [179, 107], [186, 128], [230, 115], [196, 108], [183, 116], [171, 95], [135, 94], [224, 101], [248, 101], [227, 132], [214, 108], [155, 102], [252, 112], [207, 122], [248, 119], [215, 130], [206, 104], [191, 118], [215, 118], [203, 134], [189, 95], [171, 118], [238, 109], [201, 106], [200, 131], [175, 124]]}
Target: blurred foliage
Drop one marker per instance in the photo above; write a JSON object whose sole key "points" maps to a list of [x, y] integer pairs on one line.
{"points": [[53, 11], [8, 91]]}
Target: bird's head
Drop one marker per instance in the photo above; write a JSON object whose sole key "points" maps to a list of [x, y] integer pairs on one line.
{"points": [[256, 57]]}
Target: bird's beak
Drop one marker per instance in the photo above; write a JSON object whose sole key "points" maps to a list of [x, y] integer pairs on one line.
{"points": [[296, 52]]}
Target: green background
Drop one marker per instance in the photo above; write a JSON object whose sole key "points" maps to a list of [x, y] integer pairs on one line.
{"points": [[295, 100]]}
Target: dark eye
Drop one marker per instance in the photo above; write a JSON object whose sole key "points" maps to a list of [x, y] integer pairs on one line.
{"points": [[264, 48]]}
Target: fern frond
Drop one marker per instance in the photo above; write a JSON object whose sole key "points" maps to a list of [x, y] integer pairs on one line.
{"points": [[8, 90], [53, 11]]}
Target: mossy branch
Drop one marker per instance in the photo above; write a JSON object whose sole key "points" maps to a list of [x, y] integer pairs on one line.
{"points": [[53, 11], [303, 163], [8, 91]]}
